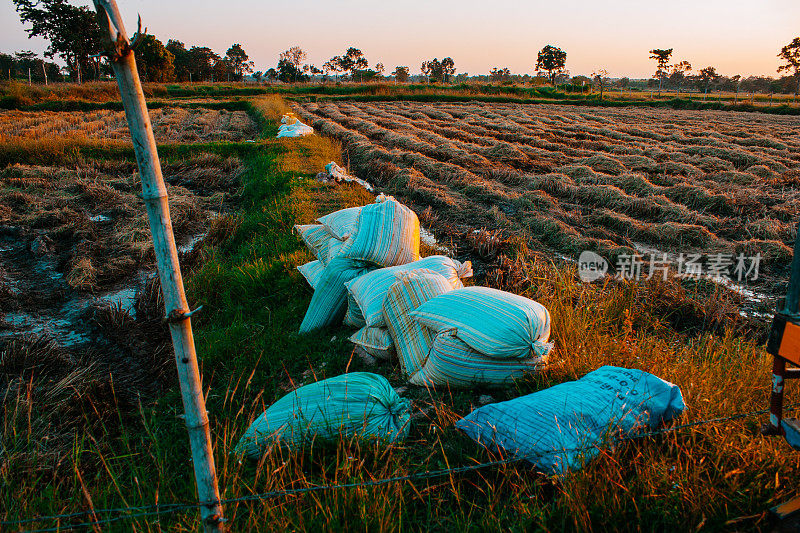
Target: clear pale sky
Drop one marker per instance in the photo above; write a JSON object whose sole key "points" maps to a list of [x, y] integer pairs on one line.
{"points": [[735, 36]]}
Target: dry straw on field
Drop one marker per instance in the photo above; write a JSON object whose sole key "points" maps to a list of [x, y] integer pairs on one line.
{"points": [[97, 222], [170, 124], [606, 178]]}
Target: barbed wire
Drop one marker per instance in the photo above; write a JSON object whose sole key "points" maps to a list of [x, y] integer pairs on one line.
{"points": [[124, 513]]}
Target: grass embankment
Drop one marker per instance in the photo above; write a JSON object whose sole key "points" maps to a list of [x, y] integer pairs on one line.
{"points": [[254, 300]]}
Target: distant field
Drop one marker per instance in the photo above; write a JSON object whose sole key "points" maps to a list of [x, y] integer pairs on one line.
{"points": [[170, 124], [613, 180], [90, 96]]}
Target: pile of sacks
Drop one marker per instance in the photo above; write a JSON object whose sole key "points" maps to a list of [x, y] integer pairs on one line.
{"points": [[292, 127], [368, 274]]}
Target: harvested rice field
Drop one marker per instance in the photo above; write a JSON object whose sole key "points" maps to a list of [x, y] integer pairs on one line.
{"points": [[75, 238], [612, 180], [170, 124]]}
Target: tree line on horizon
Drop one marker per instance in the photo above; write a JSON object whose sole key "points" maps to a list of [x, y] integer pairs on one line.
{"points": [[74, 37]]}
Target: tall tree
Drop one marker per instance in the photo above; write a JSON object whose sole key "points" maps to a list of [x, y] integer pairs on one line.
{"points": [[436, 70], [500, 74], [293, 57], [678, 73], [180, 59], [379, 69], [201, 61], [72, 31], [223, 70], [400, 74], [154, 61], [661, 57], [334, 65], [551, 60], [448, 68], [790, 54], [352, 61], [7, 65], [238, 59], [707, 76], [599, 77], [287, 72], [425, 69]]}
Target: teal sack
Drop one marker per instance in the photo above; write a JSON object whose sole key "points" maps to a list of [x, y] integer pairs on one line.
{"points": [[495, 323], [358, 405], [560, 428], [329, 302]]}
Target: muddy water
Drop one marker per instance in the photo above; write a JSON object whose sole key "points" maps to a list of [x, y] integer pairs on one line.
{"points": [[39, 302]]}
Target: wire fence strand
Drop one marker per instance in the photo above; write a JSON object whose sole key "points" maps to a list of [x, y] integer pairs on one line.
{"points": [[123, 513]]}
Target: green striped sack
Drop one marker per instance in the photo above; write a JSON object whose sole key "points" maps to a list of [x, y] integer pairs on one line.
{"points": [[412, 340], [359, 405], [496, 323], [452, 362], [369, 291], [353, 316], [341, 224], [316, 238], [328, 304], [387, 233], [335, 248], [375, 341], [312, 272]]}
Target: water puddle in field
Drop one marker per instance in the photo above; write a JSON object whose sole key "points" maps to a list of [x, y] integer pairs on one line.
{"points": [[193, 241], [427, 238], [38, 301]]}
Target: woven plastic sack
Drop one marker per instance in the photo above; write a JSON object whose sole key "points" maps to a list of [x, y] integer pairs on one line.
{"points": [[316, 238], [369, 292], [353, 316], [328, 304], [375, 341], [411, 339], [312, 272], [341, 224], [496, 323], [358, 405], [295, 129], [560, 428], [337, 173], [387, 233], [451, 362], [335, 247]]}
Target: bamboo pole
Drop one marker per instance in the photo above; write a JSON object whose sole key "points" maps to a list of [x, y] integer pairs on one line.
{"points": [[119, 50]]}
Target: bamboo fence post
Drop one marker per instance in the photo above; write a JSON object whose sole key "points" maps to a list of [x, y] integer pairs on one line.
{"points": [[119, 50]]}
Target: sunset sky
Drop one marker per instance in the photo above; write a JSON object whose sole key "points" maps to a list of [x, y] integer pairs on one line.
{"points": [[736, 36]]}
